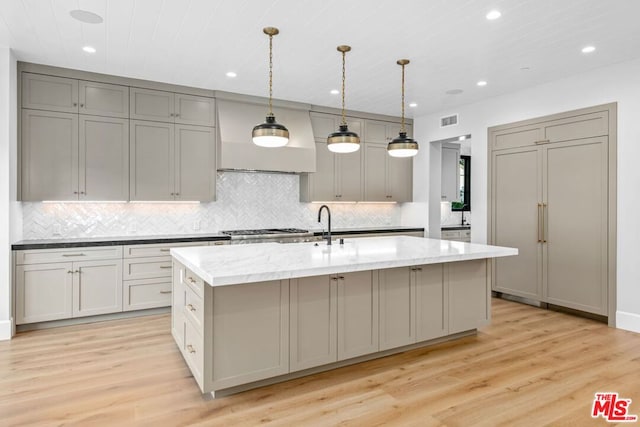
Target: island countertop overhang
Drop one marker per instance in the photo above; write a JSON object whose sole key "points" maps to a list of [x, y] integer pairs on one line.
{"points": [[237, 264]]}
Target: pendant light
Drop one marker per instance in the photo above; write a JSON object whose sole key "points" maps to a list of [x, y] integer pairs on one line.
{"points": [[402, 145], [270, 133], [343, 141]]}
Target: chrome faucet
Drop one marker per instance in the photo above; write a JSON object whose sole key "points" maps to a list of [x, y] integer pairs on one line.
{"points": [[320, 217]]}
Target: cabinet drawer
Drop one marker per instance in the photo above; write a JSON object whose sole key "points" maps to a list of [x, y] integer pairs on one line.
{"points": [[37, 256], [147, 268], [193, 282], [193, 351], [450, 234], [193, 309], [156, 250], [148, 293], [465, 234]]}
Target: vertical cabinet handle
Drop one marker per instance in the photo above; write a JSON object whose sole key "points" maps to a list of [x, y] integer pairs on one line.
{"points": [[539, 219], [544, 227]]}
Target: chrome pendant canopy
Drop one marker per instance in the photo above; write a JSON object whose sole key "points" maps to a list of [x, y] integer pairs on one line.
{"points": [[270, 133]]}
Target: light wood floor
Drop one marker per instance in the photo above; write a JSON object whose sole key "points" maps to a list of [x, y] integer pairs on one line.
{"points": [[530, 367]]}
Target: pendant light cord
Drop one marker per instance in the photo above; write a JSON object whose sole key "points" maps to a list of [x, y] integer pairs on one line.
{"points": [[344, 119], [270, 75], [402, 128]]}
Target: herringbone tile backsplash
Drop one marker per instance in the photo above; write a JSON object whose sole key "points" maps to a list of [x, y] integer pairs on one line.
{"points": [[244, 200]]}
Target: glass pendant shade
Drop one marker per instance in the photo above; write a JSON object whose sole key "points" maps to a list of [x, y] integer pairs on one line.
{"points": [[270, 134], [343, 141], [402, 146]]}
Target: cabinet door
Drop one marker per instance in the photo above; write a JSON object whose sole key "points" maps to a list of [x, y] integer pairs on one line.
{"points": [[468, 295], [152, 161], [516, 221], [195, 110], [251, 327], [195, 169], [49, 156], [349, 176], [375, 173], [375, 131], [178, 302], [450, 173], [432, 310], [104, 158], [357, 314], [101, 99], [43, 292], [50, 93], [516, 136], [399, 179], [97, 287], [152, 105], [397, 308], [323, 125], [313, 319], [146, 293], [575, 224]]}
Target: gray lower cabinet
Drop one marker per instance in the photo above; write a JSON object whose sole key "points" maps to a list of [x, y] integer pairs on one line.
{"points": [[53, 284], [469, 296], [432, 292], [397, 307], [71, 157], [313, 322], [358, 324], [172, 162]]}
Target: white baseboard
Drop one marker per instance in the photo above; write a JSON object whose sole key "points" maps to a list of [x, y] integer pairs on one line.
{"points": [[628, 321], [6, 329]]}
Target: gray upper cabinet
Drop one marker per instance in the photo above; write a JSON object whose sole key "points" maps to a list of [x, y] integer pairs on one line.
{"points": [[386, 178], [450, 174], [40, 92], [101, 99], [382, 132], [49, 156], [160, 106], [104, 158], [172, 162], [153, 105]]}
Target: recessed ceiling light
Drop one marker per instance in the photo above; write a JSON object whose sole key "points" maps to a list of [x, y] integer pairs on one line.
{"points": [[231, 74], [86, 16], [454, 91], [481, 83], [335, 91], [588, 49], [89, 49], [413, 105], [494, 14]]}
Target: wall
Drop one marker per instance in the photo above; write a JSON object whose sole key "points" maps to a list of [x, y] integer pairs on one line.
{"points": [[244, 200], [9, 208], [618, 83]]}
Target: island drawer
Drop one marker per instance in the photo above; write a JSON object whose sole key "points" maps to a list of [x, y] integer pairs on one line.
{"points": [[193, 351], [146, 268], [193, 282], [159, 249], [39, 256], [193, 308], [146, 293]]}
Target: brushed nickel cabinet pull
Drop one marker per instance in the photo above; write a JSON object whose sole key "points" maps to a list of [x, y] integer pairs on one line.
{"points": [[544, 226], [218, 243], [341, 277], [539, 219], [165, 292], [77, 271], [177, 115], [69, 272], [69, 255], [191, 308], [542, 141], [335, 279], [165, 249], [81, 105], [165, 266], [191, 280], [191, 349], [75, 104]]}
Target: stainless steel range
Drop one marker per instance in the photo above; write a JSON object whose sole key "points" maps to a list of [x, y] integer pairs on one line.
{"points": [[279, 235]]}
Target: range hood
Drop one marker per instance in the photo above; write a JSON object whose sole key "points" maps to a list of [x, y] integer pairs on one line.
{"points": [[238, 152]]}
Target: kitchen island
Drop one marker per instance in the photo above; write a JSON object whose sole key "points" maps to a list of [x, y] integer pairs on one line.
{"points": [[248, 315]]}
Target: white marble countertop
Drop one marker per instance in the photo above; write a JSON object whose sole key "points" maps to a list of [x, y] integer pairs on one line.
{"points": [[236, 264]]}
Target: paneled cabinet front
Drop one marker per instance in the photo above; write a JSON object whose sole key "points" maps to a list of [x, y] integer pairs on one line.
{"points": [[74, 157], [386, 178], [172, 162], [168, 107]]}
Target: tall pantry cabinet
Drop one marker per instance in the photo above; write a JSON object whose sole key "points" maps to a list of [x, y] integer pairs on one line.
{"points": [[552, 195]]}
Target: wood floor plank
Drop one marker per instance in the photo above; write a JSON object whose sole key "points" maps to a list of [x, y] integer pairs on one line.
{"points": [[530, 367]]}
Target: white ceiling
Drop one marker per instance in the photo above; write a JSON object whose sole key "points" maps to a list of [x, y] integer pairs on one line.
{"points": [[449, 42]]}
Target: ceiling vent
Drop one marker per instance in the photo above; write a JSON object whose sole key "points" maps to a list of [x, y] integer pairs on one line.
{"points": [[449, 121]]}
